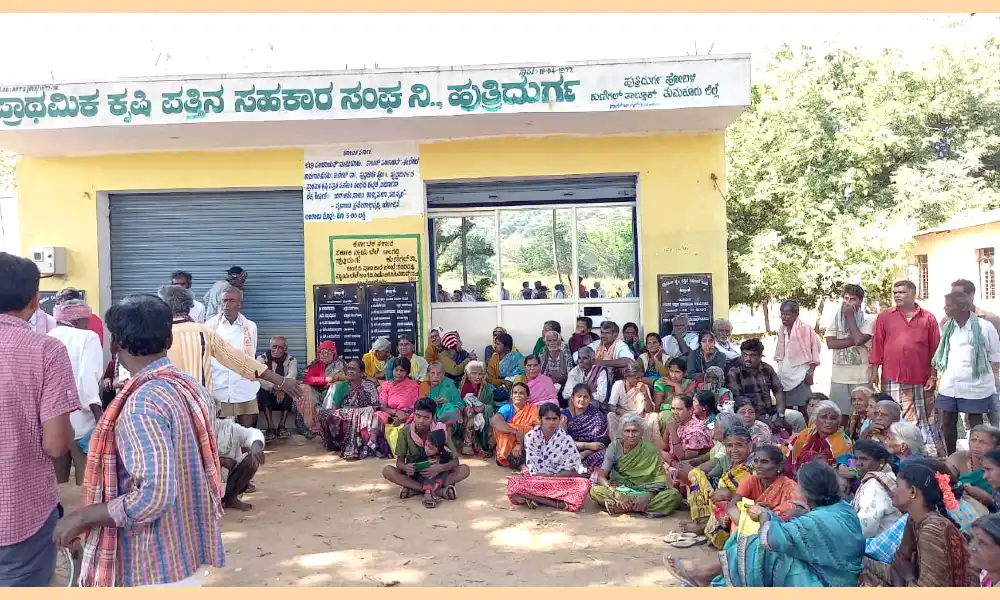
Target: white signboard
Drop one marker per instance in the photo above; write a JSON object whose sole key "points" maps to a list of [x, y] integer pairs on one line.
{"points": [[590, 87], [361, 182]]}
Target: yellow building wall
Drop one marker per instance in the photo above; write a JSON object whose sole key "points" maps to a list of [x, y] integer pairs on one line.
{"points": [[951, 255], [682, 218]]}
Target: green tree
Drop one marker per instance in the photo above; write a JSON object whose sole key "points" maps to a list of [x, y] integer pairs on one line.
{"points": [[461, 250]]}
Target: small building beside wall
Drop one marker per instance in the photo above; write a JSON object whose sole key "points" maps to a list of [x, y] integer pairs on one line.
{"points": [[962, 248], [468, 179]]}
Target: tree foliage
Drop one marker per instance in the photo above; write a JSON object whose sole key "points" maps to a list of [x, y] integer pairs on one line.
{"points": [[842, 158]]}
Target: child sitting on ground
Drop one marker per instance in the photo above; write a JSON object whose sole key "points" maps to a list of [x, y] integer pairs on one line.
{"points": [[435, 450]]}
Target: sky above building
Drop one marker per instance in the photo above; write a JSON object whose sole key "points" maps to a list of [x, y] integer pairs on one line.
{"points": [[40, 48]]}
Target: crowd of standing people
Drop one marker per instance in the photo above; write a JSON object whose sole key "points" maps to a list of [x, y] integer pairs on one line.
{"points": [[861, 486]]}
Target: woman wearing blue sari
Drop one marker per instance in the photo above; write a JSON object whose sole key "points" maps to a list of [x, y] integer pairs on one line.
{"points": [[821, 546], [504, 367]]}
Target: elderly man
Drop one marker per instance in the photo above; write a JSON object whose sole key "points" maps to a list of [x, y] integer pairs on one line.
{"points": [[87, 358], [887, 412], [681, 340], [723, 330], [271, 397], [437, 479], [152, 513], [797, 354], [610, 351], [906, 338], [95, 323], [966, 361], [588, 371], [183, 279], [969, 289], [236, 277], [418, 365], [236, 394], [241, 453], [37, 395]]}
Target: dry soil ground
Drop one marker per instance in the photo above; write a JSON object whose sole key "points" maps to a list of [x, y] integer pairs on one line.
{"points": [[320, 521]]}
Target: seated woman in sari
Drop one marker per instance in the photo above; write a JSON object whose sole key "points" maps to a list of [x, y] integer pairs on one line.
{"points": [[632, 479], [705, 409], [768, 486], [704, 356], [351, 425], [760, 431], [542, 388], [444, 392], [504, 367], [492, 348], [709, 503], [396, 398], [418, 365], [557, 362], [653, 360], [969, 464], [319, 375], [510, 423], [434, 346], [933, 551], [453, 357], [823, 438], [552, 474], [821, 547], [685, 435], [477, 436], [377, 359], [873, 500], [984, 550], [588, 426], [669, 387], [904, 441], [631, 395], [715, 462], [714, 381], [861, 398]]}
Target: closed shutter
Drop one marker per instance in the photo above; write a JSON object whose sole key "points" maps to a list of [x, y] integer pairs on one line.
{"points": [[529, 192], [204, 234]]}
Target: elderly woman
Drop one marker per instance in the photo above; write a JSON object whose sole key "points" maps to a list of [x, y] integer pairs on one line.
{"points": [[589, 372], [632, 479], [873, 500], [822, 547], [653, 360], [760, 431], [477, 396], [933, 552], [631, 395], [588, 426], [510, 424], [824, 438], [557, 361], [453, 357], [704, 356], [317, 378], [861, 397], [350, 424], [418, 365], [904, 441], [553, 474], [377, 359], [714, 381], [984, 550], [723, 330], [969, 464], [709, 503], [542, 388], [434, 346], [443, 391], [504, 367]]}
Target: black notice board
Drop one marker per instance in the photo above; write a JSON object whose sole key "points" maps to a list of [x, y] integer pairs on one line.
{"points": [[392, 312], [340, 317], [688, 294], [354, 316], [48, 301]]}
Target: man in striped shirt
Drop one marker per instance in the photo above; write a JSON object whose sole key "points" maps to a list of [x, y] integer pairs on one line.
{"points": [[195, 346], [153, 486]]}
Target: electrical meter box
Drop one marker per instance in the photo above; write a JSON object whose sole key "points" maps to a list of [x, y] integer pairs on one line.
{"points": [[50, 260]]}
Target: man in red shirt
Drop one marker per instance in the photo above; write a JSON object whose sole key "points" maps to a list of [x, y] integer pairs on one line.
{"points": [[37, 394], [906, 337]]}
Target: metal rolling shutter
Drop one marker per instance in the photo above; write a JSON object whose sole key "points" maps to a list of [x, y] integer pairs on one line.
{"points": [[205, 234], [527, 192]]}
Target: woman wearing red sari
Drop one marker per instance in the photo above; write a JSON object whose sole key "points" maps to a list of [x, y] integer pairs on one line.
{"points": [[824, 437]]}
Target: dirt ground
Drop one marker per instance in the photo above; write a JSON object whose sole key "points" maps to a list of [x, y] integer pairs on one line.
{"points": [[320, 521]]}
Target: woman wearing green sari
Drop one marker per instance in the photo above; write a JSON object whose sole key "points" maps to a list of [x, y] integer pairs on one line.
{"points": [[632, 478], [443, 391], [821, 546], [477, 394]]}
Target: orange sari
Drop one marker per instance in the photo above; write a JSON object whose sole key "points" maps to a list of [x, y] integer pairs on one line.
{"points": [[524, 420], [778, 496]]}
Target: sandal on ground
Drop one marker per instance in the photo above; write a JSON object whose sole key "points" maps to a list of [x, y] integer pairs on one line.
{"points": [[690, 543], [283, 434], [430, 501], [450, 493], [676, 536], [405, 493], [268, 435]]}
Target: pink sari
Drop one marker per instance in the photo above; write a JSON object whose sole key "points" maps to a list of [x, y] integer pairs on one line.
{"points": [[398, 396], [542, 390]]}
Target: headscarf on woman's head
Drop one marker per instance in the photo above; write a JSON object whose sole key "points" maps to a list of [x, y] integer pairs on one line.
{"points": [[450, 340], [328, 345], [381, 345]]}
